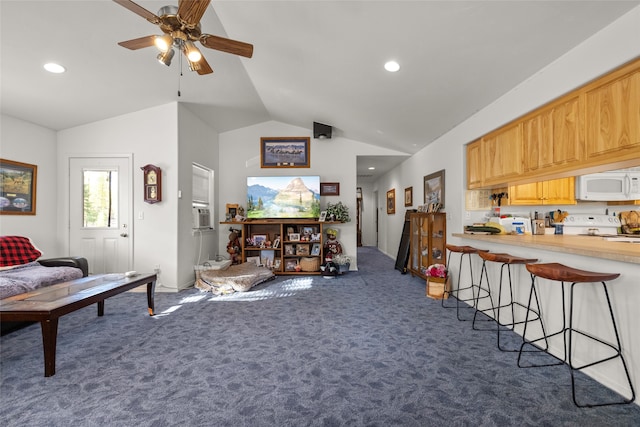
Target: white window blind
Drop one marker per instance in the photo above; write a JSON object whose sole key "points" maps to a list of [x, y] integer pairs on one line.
{"points": [[202, 186]]}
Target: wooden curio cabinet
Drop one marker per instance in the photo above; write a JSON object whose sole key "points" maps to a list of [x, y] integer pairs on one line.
{"points": [[427, 243]]}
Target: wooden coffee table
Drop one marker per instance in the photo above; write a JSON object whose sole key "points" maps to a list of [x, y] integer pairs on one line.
{"points": [[47, 305]]}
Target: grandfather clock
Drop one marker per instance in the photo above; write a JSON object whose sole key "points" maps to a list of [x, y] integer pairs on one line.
{"points": [[152, 184]]}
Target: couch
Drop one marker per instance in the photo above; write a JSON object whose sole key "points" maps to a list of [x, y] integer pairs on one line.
{"points": [[22, 270]]}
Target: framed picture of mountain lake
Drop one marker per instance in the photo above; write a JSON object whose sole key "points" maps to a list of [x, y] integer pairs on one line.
{"points": [[284, 152]]}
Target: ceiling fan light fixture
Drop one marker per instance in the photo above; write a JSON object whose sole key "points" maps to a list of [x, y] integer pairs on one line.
{"points": [[192, 52], [163, 43], [166, 57]]}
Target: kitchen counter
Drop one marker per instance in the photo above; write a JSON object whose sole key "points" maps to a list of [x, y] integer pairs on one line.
{"points": [[591, 246]]}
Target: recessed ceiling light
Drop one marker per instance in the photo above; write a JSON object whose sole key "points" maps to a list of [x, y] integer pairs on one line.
{"points": [[372, 168], [392, 66], [54, 68]]}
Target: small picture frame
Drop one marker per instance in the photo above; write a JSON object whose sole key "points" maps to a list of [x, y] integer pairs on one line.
{"points": [[276, 264], [323, 216], [290, 264], [276, 243], [294, 237], [302, 249], [308, 231], [232, 211], [259, 240], [408, 196], [391, 202], [329, 188], [289, 249], [316, 237], [315, 249]]}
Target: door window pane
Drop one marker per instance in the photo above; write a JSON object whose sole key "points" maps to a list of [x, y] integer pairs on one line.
{"points": [[100, 199]]}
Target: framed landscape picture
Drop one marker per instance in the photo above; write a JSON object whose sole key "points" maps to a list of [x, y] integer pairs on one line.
{"points": [[17, 188], [283, 152], [329, 188], [434, 189]]}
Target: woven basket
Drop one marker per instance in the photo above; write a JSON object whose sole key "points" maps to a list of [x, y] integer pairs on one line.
{"points": [[309, 264]]}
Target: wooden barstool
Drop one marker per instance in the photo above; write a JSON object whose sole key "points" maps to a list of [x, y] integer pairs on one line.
{"points": [[468, 251], [507, 261], [561, 273]]}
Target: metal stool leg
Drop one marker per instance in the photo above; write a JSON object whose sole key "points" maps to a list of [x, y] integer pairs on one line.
{"points": [[617, 349]]}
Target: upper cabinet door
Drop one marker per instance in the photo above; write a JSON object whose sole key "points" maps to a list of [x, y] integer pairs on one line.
{"points": [[502, 154], [554, 135], [613, 118], [475, 170]]}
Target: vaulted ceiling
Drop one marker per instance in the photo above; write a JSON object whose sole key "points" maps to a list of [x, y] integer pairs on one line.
{"points": [[313, 61]]}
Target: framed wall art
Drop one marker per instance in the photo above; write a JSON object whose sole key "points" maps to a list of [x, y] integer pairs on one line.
{"points": [[434, 189], [408, 196], [329, 188], [284, 152], [17, 188], [391, 201]]}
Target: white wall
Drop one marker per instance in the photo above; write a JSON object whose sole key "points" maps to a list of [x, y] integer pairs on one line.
{"points": [[608, 49], [198, 143], [333, 159], [25, 142], [151, 137]]}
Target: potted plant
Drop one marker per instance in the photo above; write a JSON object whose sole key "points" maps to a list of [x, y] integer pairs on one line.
{"points": [[338, 212], [343, 262]]}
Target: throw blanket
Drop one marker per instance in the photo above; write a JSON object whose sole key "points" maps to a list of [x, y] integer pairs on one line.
{"points": [[31, 276], [236, 278]]}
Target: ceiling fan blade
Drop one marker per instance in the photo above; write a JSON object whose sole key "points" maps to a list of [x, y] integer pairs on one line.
{"points": [[227, 45], [205, 68], [190, 11], [139, 43], [139, 10]]}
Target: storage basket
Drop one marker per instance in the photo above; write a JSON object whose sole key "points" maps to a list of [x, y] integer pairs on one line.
{"points": [[309, 264], [438, 287]]}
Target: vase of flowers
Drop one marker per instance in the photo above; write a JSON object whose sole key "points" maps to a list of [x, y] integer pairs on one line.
{"points": [[437, 281]]}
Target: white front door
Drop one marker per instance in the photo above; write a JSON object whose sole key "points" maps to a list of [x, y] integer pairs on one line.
{"points": [[99, 212]]}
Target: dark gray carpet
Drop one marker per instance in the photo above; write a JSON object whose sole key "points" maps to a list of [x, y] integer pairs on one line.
{"points": [[366, 349]]}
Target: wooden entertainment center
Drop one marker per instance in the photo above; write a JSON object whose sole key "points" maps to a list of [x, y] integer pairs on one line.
{"points": [[288, 246]]}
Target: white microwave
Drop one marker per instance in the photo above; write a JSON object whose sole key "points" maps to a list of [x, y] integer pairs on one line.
{"points": [[608, 186]]}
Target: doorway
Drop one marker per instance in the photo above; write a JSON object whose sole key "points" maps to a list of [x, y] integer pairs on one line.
{"points": [[99, 212]]}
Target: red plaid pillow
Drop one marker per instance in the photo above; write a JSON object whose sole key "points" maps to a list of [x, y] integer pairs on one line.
{"points": [[17, 250]]}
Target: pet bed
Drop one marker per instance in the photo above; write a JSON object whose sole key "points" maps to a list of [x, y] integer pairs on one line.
{"points": [[236, 278]]}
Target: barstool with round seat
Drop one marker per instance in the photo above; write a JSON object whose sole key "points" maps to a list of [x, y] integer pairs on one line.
{"points": [[561, 273], [507, 261], [468, 251]]}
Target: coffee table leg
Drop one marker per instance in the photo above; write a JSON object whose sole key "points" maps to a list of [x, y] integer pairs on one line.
{"points": [[151, 287], [49, 337]]}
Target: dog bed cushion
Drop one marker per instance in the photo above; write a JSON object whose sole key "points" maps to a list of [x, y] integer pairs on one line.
{"points": [[236, 278]]}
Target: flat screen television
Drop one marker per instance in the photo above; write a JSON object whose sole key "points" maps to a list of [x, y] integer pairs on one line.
{"points": [[283, 197]]}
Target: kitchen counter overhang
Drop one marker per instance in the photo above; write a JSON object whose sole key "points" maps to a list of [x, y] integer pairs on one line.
{"points": [[591, 246]]}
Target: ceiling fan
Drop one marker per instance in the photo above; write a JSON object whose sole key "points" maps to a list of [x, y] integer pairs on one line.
{"points": [[181, 28]]}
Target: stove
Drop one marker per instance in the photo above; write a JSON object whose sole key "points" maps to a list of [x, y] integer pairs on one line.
{"points": [[591, 224]]}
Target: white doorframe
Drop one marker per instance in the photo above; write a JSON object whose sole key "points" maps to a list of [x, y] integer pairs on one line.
{"points": [[128, 216]]}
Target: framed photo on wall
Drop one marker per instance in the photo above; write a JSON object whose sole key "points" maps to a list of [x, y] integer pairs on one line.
{"points": [[329, 188], [17, 188], [408, 196], [284, 152], [434, 189], [391, 201]]}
